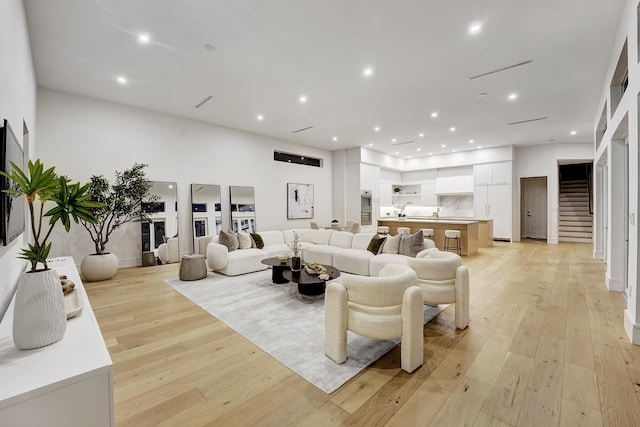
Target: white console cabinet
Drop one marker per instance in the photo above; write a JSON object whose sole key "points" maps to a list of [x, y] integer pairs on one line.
{"points": [[68, 383]]}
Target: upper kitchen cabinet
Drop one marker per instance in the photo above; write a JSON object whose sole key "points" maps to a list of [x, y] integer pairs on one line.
{"points": [[492, 173]]}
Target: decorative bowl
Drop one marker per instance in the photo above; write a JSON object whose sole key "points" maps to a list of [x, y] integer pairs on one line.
{"points": [[283, 257]]}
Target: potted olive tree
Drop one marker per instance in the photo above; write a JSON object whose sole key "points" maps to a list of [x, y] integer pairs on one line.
{"points": [[121, 203], [39, 317]]}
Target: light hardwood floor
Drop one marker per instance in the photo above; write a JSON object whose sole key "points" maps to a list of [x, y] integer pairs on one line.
{"points": [[545, 347]]}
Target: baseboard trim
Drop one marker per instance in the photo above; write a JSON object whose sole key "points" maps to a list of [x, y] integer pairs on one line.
{"points": [[633, 329], [613, 284]]}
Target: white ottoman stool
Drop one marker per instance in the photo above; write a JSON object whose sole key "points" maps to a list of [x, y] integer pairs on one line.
{"points": [[428, 233], [404, 230], [383, 229]]}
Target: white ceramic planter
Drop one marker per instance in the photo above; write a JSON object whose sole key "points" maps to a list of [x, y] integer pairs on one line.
{"points": [[39, 316], [99, 267]]}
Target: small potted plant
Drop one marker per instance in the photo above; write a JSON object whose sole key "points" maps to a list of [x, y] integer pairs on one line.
{"points": [[121, 202], [296, 247], [39, 317]]}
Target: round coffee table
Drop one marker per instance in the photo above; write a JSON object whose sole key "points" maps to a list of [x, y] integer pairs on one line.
{"points": [[277, 268], [310, 284]]}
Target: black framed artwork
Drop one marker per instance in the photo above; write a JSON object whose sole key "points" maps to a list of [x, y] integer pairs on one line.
{"points": [[299, 201]]}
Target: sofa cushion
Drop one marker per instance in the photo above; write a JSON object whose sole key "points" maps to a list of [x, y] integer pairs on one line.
{"points": [[411, 244], [322, 254], [244, 240], [391, 245], [229, 239], [308, 235], [257, 240], [272, 237], [341, 239], [361, 240], [354, 261], [375, 244]]}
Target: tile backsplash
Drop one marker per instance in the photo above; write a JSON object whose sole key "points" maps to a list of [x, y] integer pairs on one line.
{"points": [[458, 206]]}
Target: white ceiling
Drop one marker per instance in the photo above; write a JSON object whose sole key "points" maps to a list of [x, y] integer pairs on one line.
{"points": [[269, 52]]}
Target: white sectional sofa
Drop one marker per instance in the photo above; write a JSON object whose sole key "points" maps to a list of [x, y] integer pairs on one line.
{"points": [[344, 250]]}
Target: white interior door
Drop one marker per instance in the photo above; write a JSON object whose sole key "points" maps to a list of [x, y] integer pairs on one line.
{"points": [[534, 208]]}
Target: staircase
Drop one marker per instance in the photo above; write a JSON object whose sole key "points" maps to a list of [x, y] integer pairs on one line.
{"points": [[575, 222]]}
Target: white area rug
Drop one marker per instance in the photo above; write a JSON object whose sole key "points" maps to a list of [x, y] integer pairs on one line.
{"points": [[285, 324]]}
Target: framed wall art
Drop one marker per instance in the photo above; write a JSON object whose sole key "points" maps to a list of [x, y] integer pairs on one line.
{"points": [[299, 201]]}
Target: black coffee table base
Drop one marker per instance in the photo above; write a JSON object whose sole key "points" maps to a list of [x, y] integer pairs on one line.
{"points": [[309, 284], [277, 268]]}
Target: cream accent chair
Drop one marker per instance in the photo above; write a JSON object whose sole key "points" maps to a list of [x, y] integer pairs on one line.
{"points": [[385, 307], [314, 225], [443, 280], [355, 228], [168, 252]]}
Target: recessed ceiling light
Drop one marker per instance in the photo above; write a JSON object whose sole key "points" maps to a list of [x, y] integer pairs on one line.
{"points": [[443, 145], [122, 80], [394, 140], [513, 96], [170, 186], [434, 114], [431, 154], [335, 138], [396, 152], [419, 149], [453, 151], [408, 157], [479, 146], [260, 117], [573, 132], [421, 135], [452, 129], [144, 38], [371, 144], [377, 128], [475, 28], [367, 72], [302, 99], [471, 141]]}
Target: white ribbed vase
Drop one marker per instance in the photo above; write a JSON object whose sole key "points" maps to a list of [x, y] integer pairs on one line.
{"points": [[39, 316]]}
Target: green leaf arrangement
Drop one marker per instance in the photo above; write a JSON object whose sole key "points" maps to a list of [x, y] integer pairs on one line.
{"points": [[71, 202]]}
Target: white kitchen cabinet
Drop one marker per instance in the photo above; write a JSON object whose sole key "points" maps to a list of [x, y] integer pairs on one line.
{"points": [[428, 190], [492, 173], [68, 383], [385, 193], [494, 202]]}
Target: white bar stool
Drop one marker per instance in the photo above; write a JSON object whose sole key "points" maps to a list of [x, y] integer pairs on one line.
{"points": [[383, 229], [455, 236], [404, 230], [428, 233]]}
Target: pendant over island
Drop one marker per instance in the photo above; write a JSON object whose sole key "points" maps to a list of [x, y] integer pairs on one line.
{"points": [[474, 233]]}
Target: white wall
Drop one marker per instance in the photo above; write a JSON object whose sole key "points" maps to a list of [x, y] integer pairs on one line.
{"points": [[84, 136], [543, 160], [17, 104], [621, 123]]}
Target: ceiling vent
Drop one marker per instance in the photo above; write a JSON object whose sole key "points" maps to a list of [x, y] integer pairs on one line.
{"points": [[526, 121], [298, 159], [204, 101], [402, 143], [302, 129], [508, 67]]}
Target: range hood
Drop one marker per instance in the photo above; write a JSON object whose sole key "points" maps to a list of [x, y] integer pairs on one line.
{"points": [[454, 185]]}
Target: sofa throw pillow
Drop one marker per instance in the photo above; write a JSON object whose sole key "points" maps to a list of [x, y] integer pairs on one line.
{"points": [[229, 239], [375, 244], [256, 238], [391, 244], [244, 240], [411, 244]]}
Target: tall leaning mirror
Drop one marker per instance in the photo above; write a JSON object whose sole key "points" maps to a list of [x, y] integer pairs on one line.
{"points": [[160, 235], [206, 210], [243, 209]]}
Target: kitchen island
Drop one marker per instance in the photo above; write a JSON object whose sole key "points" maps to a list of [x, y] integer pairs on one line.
{"points": [[468, 230]]}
